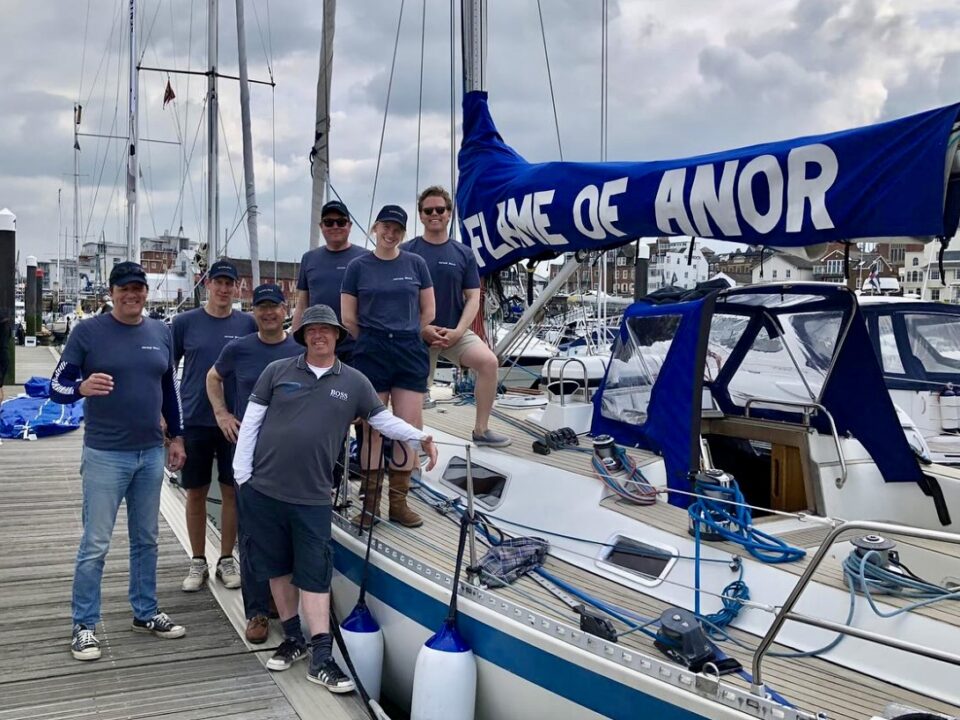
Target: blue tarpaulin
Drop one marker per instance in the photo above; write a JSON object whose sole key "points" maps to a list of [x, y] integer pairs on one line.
{"points": [[36, 414], [890, 179]]}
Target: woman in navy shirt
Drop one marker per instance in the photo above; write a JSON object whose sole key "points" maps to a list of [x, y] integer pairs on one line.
{"points": [[386, 300]]}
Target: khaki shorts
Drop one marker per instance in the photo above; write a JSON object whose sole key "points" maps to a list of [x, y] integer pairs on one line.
{"points": [[454, 353]]}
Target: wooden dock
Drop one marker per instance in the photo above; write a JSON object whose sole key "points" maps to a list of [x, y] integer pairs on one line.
{"points": [[210, 673]]}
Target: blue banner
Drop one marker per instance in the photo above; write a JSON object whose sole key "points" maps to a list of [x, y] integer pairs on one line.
{"points": [[886, 180]]}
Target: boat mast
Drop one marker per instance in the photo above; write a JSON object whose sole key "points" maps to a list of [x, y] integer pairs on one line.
{"points": [[77, 112], [248, 148], [133, 238], [213, 184], [320, 154]]}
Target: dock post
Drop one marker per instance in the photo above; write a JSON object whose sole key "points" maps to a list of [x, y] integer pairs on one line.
{"points": [[30, 302], [8, 275]]}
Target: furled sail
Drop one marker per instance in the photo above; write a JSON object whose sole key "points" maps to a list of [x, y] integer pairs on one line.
{"points": [[898, 178]]}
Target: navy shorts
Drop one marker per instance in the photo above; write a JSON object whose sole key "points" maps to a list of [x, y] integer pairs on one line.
{"points": [[393, 360], [204, 444], [288, 539]]}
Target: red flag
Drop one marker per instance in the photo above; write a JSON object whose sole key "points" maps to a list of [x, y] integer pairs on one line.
{"points": [[168, 94]]}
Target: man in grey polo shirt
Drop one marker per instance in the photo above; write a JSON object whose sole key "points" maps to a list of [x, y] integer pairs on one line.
{"points": [[295, 423]]}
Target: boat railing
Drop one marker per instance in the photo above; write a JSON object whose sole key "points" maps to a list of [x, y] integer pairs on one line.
{"points": [[787, 612], [809, 409], [563, 366]]}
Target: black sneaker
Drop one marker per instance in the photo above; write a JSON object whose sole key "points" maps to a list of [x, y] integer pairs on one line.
{"points": [[331, 677], [84, 645], [161, 626], [287, 654]]}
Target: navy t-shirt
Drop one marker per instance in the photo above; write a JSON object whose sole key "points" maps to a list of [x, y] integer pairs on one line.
{"points": [[453, 269], [321, 275], [137, 357], [241, 362], [198, 338], [388, 291]]}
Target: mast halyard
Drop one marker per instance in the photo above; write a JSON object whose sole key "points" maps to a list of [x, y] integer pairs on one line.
{"points": [[213, 180], [247, 147]]}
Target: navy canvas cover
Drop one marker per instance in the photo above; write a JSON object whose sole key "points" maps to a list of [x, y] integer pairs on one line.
{"points": [[889, 179]]}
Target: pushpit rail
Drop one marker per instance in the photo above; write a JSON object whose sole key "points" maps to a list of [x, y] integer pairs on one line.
{"points": [[787, 612]]}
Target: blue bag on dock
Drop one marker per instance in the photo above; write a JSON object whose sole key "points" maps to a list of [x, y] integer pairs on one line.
{"points": [[39, 416]]}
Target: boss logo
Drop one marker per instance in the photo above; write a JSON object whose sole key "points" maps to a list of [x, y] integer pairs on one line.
{"points": [[339, 394]]}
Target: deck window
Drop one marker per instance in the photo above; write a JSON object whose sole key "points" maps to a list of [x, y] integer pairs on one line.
{"points": [[488, 484], [639, 561]]}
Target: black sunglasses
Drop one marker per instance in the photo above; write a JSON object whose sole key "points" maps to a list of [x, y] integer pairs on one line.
{"points": [[339, 222], [433, 210]]}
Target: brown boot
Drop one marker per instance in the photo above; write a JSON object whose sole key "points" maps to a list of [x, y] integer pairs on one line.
{"points": [[371, 501], [400, 512]]}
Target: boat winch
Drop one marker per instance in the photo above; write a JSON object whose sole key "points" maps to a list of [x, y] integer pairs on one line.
{"points": [[682, 639], [883, 548], [713, 483]]}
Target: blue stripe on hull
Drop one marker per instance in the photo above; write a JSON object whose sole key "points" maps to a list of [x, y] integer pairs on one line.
{"points": [[576, 684]]}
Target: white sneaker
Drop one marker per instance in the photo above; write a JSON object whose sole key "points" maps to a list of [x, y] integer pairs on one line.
{"points": [[228, 573], [197, 575]]}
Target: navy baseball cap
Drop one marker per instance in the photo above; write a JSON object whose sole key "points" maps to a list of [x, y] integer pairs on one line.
{"points": [[222, 268], [334, 206], [393, 213], [268, 292], [127, 272]]}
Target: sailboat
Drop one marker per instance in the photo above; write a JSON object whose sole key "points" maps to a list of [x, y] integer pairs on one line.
{"points": [[669, 589]]}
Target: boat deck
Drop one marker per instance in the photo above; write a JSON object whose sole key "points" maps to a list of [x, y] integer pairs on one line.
{"points": [[210, 673], [811, 683]]}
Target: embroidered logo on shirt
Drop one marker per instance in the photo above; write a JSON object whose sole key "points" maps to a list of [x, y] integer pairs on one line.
{"points": [[402, 278], [289, 386], [446, 262], [339, 394], [149, 347]]}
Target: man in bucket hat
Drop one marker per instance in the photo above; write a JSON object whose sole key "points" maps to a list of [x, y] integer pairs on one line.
{"points": [[292, 432]]}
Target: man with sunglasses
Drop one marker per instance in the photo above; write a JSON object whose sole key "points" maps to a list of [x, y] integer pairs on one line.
{"points": [[456, 286], [322, 270]]}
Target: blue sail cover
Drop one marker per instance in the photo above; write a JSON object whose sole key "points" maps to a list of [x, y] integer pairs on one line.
{"points": [[890, 179]]}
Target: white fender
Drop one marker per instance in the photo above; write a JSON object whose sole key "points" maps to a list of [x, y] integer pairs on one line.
{"points": [[445, 678]]}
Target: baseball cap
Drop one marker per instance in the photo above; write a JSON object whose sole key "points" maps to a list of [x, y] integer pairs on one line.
{"points": [[268, 292], [127, 272], [223, 268], [393, 213], [335, 206], [318, 315]]}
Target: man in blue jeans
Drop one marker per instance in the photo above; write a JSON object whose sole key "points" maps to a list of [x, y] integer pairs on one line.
{"points": [[122, 363]]}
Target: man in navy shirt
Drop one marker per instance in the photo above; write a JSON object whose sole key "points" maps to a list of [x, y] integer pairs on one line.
{"points": [[198, 337], [122, 363], [322, 269], [241, 362], [456, 287]]}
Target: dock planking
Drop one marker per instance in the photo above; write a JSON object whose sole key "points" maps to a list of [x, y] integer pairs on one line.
{"points": [[210, 673]]}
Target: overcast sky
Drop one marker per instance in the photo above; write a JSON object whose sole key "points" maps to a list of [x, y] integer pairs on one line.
{"points": [[686, 77]]}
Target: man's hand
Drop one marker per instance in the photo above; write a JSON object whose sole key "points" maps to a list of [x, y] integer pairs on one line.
{"points": [[176, 455], [431, 450], [98, 384], [433, 335], [229, 426], [450, 336]]}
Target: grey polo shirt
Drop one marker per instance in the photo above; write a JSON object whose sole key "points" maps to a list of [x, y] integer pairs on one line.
{"points": [[306, 422]]}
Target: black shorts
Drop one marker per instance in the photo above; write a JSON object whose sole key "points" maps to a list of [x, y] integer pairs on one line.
{"points": [[288, 539], [202, 444], [393, 360]]}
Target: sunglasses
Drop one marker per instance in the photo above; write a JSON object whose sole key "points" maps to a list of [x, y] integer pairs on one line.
{"points": [[339, 222], [433, 210]]}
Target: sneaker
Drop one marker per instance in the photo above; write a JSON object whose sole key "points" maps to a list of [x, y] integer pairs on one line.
{"points": [[331, 677], [228, 573], [287, 654], [196, 576], [84, 645], [258, 628], [428, 402], [160, 625], [489, 438]]}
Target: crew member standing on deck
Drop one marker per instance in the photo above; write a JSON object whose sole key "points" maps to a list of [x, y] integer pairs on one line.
{"points": [[122, 363], [241, 363], [198, 337], [387, 300], [322, 269], [456, 285], [292, 432]]}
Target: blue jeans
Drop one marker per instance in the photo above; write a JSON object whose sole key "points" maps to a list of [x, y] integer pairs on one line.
{"points": [[110, 476]]}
